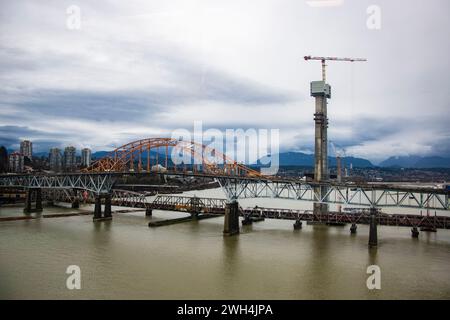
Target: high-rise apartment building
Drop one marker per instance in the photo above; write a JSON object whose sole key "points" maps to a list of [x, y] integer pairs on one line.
{"points": [[26, 148], [70, 158], [86, 155], [16, 162], [55, 159]]}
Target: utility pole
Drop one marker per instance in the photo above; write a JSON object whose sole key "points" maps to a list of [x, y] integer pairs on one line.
{"points": [[321, 91]]}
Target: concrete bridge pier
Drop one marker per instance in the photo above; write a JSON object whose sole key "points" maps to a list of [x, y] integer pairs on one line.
{"points": [[37, 192], [194, 207], [148, 212], [97, 207], [39, 207], [28, 199], [75, 201], [353, 228], [297, 225], [414, 232], [231, 220], [247, 221], [373, 237], [106, 214], [76, 204]]}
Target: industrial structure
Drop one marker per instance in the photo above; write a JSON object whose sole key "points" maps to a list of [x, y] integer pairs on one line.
{"points": [[321, 91]]}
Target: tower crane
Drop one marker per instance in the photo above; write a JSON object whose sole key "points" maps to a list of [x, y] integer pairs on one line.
{"points": [[321, 91], [323, 59]]}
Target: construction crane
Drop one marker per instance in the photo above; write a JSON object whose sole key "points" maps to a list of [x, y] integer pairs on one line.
{"points": [[323, 59], [338, 161], [339, 166], [321, 91]]}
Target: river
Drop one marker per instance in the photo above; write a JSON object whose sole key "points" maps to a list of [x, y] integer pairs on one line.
{"points": [[125, 259]]}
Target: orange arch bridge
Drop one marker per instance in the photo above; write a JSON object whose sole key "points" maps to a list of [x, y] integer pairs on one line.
{"points": [[136, 156]]}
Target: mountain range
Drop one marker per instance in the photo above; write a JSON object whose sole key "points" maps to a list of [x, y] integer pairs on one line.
{"points": [[416, 162], [303, 159], [307, 160]]}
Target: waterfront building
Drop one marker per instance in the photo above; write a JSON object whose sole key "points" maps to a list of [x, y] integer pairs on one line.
{"points": [[26, 149]]}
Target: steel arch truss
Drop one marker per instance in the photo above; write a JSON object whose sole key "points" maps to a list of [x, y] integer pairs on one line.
{"points": [[370, 196], [136, 157]]}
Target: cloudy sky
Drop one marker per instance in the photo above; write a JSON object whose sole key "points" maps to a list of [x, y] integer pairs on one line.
{"points": [[137, 69]]}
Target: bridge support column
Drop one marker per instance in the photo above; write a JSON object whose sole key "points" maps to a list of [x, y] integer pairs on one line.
{"points": [[98, 208], [414, 232], [247, 221], [297, 225], [321, 92], [39, 200], [231, 220], [107, 213], [148, 212], [373, 237], [353, 228], [29, 199], [194, 207], [76, 201], [76, 204], [194, 215]]}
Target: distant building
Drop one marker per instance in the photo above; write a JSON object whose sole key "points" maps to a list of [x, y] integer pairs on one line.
{"points": [[86, 155], [4, 161], [26, 149], [55, 159], [16, 162], [70, 158]]}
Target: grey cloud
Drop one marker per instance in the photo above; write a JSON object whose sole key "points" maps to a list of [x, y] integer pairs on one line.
{"points": [[413, 85], [10, 137]]}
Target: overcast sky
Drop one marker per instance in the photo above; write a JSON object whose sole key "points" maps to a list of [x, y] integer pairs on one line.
{"points": [[138, 69]]}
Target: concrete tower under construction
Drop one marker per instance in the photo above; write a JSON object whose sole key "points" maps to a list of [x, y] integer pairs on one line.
{"points": [[321, 91]]}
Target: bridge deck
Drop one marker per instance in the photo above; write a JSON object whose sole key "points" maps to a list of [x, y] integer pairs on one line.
{"points": [[216, 206]]}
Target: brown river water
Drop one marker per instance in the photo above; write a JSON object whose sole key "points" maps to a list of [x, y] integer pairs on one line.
{"points": [[125, 259]]}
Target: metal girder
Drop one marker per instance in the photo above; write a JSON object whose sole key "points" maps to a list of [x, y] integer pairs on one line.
{"points": [[97, 183], [334, 194], [359, 216], [251, 187], [185, 201]]}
